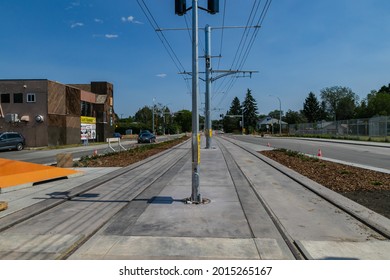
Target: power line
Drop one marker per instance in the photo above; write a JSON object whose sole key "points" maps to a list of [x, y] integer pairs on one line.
{"points": [[163, 39], [223, 28], [242, 45]]}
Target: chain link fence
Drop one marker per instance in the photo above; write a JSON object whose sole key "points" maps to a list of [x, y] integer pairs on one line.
{"points": [[372, 127]]}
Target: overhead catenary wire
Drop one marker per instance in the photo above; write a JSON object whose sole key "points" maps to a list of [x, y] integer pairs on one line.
{"points": [[244, 48], [241, 55], [152, 21], [234, 65], [222, 34]]}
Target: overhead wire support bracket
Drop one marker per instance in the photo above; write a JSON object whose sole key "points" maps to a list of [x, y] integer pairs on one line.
{"points": [[201, 28], [230, 72]]}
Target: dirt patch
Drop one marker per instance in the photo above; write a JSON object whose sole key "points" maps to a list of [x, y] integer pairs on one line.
{"points": [[366, 187], [125, 158]]}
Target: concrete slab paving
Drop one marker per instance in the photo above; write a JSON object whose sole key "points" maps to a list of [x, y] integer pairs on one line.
{"points": [[162, 247], [34, 246], [328, 250], [161, 226], [22, 198], [157, 224]]}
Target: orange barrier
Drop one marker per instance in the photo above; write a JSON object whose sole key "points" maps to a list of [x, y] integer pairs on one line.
{"points": [[16, 173]]}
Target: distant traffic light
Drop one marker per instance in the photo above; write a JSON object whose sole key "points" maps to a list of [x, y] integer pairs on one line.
{"points": [[213, 6], [180, 7]]}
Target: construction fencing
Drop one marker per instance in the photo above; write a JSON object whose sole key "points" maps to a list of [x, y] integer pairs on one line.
{"points": [[372, 127]]}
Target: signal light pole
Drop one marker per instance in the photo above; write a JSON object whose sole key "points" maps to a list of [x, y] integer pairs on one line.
{"points": [[180, 9]]}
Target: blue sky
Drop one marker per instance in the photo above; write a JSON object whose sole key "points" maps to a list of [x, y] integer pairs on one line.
{"points": [[302, 46]]}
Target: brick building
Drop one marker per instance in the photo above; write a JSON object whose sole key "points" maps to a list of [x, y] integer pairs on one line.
{"points": [[49, 113]]}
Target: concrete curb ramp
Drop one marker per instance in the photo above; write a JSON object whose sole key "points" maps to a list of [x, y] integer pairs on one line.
{"points": [[17, 174]]}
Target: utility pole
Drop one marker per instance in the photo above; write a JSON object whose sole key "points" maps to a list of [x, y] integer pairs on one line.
{"points": [[181, 9], [209, 80], [208, 129], [195, 195]]}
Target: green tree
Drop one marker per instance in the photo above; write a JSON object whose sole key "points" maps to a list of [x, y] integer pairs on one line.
{"points": [[340, 102], [385, 89], [293, 117], [250, 112], [378, 103], [183, 119], [276, 114], [231, 124], [235, 107], [144, 116], [312, 108]]}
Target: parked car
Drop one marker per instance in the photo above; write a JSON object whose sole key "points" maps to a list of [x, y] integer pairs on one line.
{"points": [[12, 140], [117, 135], [146, 137]]}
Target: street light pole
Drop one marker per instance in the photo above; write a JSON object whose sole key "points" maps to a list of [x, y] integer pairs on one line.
{"points": [[280, 114], [208, 130], [153, 116]]}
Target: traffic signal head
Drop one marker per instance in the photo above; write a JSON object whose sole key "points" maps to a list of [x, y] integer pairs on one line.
{"points": [[180, 7], [213, 6]]}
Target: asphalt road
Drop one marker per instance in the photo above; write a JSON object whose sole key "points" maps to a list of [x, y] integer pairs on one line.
{"points": [[359, 153], [48, 156]]}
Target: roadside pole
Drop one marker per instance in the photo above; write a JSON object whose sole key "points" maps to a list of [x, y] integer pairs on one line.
{"points": [[208, 128], [195, 196]]}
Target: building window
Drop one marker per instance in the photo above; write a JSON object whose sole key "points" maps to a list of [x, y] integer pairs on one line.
{"points": [[31, 97], [18, 97], [5, 98], [86, 109]]}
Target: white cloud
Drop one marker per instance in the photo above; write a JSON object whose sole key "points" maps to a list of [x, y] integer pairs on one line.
{"points": [[111, 36], [130, 19], [76, 24], [73, 5], [98, 20], [162, 75]]}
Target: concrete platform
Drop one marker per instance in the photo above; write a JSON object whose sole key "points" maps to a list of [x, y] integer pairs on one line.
{"points": [[19, 174], [111, 223]]}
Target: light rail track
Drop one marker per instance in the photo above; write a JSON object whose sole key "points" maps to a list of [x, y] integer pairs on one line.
{"points": [[82, 211], [375, 226], [283, 214]]}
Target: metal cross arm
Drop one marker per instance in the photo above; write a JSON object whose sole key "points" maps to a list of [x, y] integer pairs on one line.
{"points": [[229, 72]]}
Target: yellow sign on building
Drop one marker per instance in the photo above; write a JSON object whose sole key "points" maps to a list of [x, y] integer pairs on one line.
{"points": [[88, 120]]}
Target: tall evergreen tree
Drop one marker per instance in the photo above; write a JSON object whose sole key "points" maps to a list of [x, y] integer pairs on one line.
{"points": [[249, 107], [235, 108], [231, 124], [311, 108]]}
